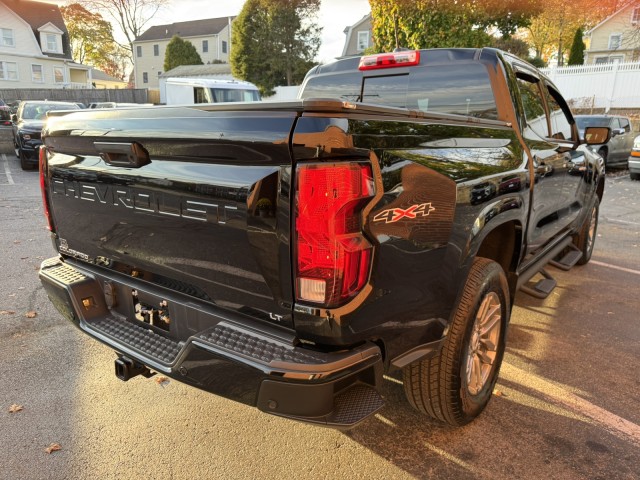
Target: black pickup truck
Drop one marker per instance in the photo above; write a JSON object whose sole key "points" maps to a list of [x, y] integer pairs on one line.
{"points": [[289, 255]]}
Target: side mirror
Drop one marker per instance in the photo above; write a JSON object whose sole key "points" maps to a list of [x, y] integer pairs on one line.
{"points": [[597, 135], [617, 131]]}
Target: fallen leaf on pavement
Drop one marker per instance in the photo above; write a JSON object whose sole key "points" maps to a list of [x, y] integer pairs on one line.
{"points": [[15, 408], [31, 314], [54, 447], [498, 393], [162, 380], [7, 312]]}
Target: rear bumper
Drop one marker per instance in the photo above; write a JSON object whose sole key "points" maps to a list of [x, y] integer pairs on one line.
{"points": [[227, 354]]}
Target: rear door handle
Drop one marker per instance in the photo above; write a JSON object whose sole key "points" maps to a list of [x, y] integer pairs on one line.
{"points": [[131, 155]]}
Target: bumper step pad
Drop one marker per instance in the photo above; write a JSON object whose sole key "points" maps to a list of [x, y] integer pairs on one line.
{"points": [[146, 341], [254, 347]]}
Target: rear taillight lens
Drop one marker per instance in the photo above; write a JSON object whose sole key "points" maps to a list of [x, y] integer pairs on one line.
{"points": [[42, 163], [333, 255], [407, 58]]}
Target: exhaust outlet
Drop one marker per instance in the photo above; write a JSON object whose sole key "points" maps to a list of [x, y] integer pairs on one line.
{"points": [[127, 369]]}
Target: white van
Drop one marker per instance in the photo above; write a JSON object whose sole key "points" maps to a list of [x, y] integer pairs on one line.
{"points": [[188, 91]]}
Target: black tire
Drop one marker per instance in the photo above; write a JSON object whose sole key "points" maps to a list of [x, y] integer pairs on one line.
{"points": [[586, 237], [24, 163], [440, 386], [634, 176]]}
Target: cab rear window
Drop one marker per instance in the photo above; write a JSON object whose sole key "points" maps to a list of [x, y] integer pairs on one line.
{"points": [[463, 89]]}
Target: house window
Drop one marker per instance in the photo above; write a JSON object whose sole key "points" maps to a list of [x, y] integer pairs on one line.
{"points": [[139, 51], [205, 46], [635, 16], [363, 41], [7, 37], [159, 73], [37, 74], [156, 50], [602, 60], [8, 71], [145, 77], [615, 39], [58, 74], [224, 46], [52, 42]]}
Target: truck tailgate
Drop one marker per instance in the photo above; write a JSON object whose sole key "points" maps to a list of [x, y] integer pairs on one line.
{"points": [[190, 200]]}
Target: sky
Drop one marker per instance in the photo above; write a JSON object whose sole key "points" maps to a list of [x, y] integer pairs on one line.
{"points": [[334, 17]]}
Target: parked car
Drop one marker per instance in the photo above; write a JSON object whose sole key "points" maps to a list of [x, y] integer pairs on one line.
{"points": [[27, 127], [634, 160], [5, 116], [616, 151]]}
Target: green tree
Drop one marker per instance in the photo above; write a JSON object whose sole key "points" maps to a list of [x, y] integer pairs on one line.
{"points": [[91, 38], [275, 42], [180, 52], [434, 23], [576, 55]]}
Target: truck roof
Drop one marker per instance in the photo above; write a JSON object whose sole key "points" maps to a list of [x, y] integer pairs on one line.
{"points": [[212, 83]]}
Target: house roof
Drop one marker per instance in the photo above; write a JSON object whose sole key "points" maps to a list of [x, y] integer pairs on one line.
{"points": [[100, 75], [630, 3], [198, 70], [37, 14], [194, 28]]}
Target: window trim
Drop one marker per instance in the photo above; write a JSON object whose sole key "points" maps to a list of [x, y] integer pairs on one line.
{"points": [[2, 38], [4, 71], [138, 51], [156, 50], [224, 46], [205, 46], [360, 34], [145, 77], [55, 80], [611, 36], [33, 79]]}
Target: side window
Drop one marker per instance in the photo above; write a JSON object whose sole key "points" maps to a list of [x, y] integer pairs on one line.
{"points": [[199, 95], [615, 124], [560, 126], [533, 107], [624, 123]]}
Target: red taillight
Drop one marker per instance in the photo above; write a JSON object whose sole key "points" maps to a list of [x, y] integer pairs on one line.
{"points": [[390, 60], [333, 256], [42, 163]]}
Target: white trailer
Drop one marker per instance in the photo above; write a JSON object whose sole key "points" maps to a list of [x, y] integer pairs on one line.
{"points": [[189, 91]]}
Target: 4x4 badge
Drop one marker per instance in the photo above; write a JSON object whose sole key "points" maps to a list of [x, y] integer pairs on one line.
{"points": [[392, 215]]}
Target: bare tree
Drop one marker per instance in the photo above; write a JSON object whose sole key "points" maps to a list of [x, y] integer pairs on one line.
{"points": [[131, 16]]}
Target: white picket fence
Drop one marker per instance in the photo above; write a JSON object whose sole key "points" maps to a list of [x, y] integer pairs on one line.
{"points": [[609, 85]]}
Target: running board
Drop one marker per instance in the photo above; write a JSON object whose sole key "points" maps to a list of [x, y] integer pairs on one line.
{"points": [[567, 259], [543, 288]]}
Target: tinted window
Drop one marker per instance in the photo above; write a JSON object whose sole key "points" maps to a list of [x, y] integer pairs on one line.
{"points": [[38, 111], [584, 122], [615, 123], [533, 107], [560, 126], [345, 86], [461, 89], [624, 123]]}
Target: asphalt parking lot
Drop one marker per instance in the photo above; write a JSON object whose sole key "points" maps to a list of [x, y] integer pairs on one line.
{"points": [[566, 405]]}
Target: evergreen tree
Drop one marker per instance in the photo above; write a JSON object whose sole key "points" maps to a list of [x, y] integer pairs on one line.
{"points": [[576, 56], [180, 52], [274, 42]]}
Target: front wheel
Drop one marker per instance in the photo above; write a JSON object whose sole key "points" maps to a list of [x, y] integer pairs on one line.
{"points": [[586, 237], [455, 386], [634, 176]]}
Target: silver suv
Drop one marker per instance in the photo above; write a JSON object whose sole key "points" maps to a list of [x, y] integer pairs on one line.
{"points": [[617, 150]]}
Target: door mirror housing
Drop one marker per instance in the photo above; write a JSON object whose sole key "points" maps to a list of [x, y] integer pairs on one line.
{"points": [[597, 135]]}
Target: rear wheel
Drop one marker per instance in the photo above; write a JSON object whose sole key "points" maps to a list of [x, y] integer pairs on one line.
{"points": [[586, 237], [634, 176], [455, 386]]}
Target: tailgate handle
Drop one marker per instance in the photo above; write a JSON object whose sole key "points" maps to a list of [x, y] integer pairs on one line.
{"points": [[132, 155]]}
